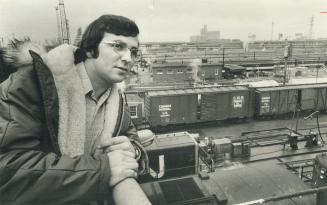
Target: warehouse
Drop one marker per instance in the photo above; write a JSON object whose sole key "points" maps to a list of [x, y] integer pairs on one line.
{"points": [[186, 72]]}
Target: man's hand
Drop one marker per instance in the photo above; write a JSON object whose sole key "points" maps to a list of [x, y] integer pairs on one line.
{"points": [[121, 154], [117, 143], [122, 166]]}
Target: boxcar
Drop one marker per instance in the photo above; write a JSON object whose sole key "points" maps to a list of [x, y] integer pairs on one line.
{"points": [[185, 106], [313, 97], [276, 100], [226, 103], [171, 107]]}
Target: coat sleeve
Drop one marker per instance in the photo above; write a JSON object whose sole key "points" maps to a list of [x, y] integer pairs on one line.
{"points": [[30, 171]]}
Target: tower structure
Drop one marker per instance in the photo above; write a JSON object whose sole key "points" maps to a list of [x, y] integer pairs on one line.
{"points": [[311, 27], [58, 25], [62, 23]]}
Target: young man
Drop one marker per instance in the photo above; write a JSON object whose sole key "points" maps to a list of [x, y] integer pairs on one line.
{"points": [[65, 132]]}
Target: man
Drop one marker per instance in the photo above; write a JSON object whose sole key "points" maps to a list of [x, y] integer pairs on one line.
{"points": [[66, 136]]}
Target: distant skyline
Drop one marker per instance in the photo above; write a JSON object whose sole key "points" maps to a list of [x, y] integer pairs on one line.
{"points": [[170, 20]]}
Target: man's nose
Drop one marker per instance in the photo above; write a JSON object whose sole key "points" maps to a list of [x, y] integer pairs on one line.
{"points": [[127, 56]]}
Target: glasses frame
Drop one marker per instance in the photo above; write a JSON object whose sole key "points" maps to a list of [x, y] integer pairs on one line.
{"points": [[121, 48]]}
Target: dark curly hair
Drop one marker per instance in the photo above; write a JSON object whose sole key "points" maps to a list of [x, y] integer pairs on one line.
{"points": [[94, 33]]}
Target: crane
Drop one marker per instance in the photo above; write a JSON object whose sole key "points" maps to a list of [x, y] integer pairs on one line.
{"points": [[62, 23]]}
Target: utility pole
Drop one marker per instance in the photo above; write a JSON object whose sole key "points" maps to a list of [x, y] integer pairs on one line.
{"points": [[311, 28], [285, 67], [272, 31], [223, 57], [287, 54]]}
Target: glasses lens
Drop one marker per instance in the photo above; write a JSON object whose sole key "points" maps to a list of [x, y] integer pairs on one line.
{"points": [[119, 47]]}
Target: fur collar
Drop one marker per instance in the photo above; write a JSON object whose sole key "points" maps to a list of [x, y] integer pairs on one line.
{"points": [[65, 53], [72, 110]]}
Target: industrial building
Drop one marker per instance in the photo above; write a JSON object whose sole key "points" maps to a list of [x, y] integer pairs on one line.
{"points": [[186, 72], [206, 35]]}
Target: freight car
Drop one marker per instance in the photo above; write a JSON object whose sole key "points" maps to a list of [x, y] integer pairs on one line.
{"points": [[194, 105], [277, 101], [313, 97], [160, 108]]}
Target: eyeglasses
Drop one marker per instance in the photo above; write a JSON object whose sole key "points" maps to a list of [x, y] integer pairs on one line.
{"points": [[121, 48]]}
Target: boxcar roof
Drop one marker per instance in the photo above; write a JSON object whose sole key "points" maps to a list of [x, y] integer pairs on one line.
{"points": [[187, 91], [293, 87], [178, 65], [171, 64], [133, 97], [234, 67]]}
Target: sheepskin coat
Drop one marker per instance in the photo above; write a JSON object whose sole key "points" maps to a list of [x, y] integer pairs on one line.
{"points": [[42, 128]]}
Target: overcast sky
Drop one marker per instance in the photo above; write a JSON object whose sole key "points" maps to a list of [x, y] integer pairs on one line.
{"points": [[169, 20]]}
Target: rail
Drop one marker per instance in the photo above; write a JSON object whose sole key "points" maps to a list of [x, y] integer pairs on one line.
{"points": [[203, 200], [284, 196]]}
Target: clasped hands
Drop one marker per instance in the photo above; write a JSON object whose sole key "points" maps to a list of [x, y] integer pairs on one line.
{"points": [[122, 162]]}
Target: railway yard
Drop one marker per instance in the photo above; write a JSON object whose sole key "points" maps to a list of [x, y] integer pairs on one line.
{"points": [[233, 125], [241, 139], [224, 118], [276, 162]]}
